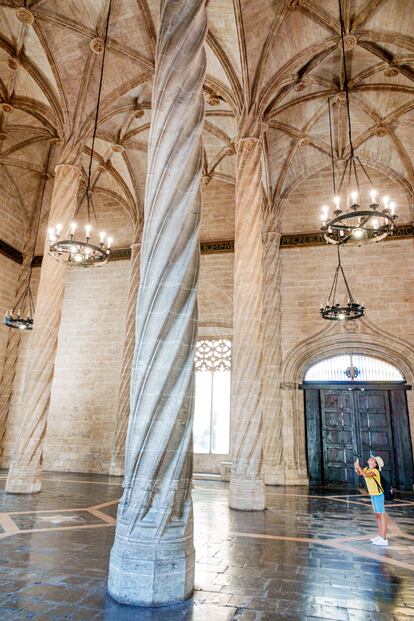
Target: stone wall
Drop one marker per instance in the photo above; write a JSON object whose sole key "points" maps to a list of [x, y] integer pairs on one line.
{"points": [[85, 387], [377, 274]]}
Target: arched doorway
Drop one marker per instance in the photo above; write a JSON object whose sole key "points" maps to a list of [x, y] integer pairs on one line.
{"points": [[356, 406]]}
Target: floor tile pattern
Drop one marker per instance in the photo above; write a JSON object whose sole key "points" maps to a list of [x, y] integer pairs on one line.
{"points": [[307, 557]]}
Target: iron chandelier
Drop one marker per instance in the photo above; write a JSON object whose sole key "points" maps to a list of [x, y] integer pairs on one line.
{"points": [[71, 249], [370, 223], [20, 316], [334, 310]]}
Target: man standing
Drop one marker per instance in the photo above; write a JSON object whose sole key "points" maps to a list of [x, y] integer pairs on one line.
{"points": [[372, 479]]}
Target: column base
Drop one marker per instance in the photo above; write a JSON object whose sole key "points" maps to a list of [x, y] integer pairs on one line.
{"points": [[274, 475], [117, 466], [151, 574], [285, 475], [23, 481], [247, 495]]}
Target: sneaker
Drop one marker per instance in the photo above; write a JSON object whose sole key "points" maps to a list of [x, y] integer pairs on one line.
{"points": [[380, 542], [376, 539]]}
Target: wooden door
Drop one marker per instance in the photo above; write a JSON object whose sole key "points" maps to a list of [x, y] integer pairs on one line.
{"points": [[373, 424], [338, 436], [342, 424]]}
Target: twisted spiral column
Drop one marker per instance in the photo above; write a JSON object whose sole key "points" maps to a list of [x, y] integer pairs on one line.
{"points": [[272, 357], [247, 491], [26, 468], [12, 349], [121, 425], [152, 559]]}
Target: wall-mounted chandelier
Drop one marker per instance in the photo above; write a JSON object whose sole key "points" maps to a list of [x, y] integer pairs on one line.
{"points": [[68, 247], [20, 316], [341, 311], [351, 220]]}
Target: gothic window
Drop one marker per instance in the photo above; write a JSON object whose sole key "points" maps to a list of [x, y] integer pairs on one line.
{"points": [[212, 396], [354, 368]]}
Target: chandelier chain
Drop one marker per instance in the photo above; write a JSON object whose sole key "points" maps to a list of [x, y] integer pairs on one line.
{"points": [[345, 78], [332, 150], [88, 187]]}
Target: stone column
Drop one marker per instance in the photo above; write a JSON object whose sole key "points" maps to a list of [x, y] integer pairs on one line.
{"points": [[272, 358], [12, 347], [121, 425], [152, 559], [26, 468], [247, 491]]}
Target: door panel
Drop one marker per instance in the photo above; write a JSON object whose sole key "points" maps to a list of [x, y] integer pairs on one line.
{"points": [[403, 454], [338, 436], [372, 413]]}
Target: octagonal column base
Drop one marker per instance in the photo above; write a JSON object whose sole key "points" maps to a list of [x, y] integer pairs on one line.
{"points": [[117, 466], [247, 495], [23, 481], [151, 575]]}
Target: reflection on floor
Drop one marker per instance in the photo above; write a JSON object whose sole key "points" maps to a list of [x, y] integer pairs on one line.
{"points": [[308, 556]]}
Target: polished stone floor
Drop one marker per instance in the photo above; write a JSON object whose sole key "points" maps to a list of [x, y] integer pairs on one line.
{"points": [[308, 556]]}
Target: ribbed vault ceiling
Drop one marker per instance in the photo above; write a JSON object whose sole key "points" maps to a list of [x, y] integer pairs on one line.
{"points": [[282, 56]]}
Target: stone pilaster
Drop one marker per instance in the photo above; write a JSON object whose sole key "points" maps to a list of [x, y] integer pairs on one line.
{"points": [[294, 442], [152, 559], [121, 424], [247, 491], [26, 467]]}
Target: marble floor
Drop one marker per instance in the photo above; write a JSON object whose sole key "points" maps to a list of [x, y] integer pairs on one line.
{"points": [[308, 556]]}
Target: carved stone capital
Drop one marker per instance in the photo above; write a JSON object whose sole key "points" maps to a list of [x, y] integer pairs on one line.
{"points": [[247, 143], [391, 72], [97, 45], [206, 178], [25, 16], [288, 385], [213, 99], [300, 86], [340, 98], [350, 41], [13, 63], [65, 169], [139, 112], [293, 4], [381, 131]]}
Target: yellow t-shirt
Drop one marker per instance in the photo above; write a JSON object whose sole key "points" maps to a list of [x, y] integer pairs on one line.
{"points": [[371, 485]]}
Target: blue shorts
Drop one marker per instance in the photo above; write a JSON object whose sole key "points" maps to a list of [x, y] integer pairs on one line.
{"points": [[378, 503]]}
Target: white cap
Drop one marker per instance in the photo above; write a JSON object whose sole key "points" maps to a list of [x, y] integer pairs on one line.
{"points": [[380, 462]]}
